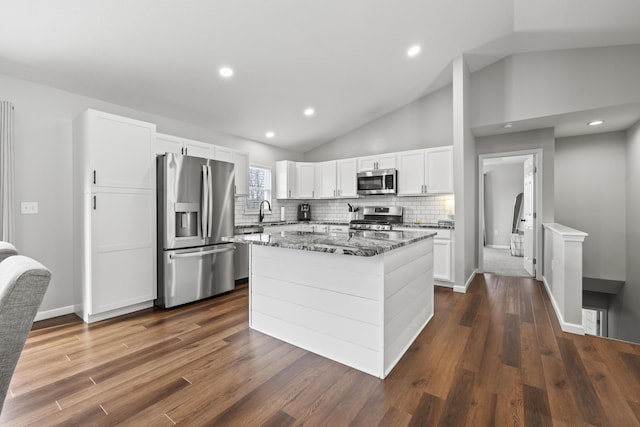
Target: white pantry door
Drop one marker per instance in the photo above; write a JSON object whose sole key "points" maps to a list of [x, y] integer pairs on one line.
{"points": [[528, 217]]}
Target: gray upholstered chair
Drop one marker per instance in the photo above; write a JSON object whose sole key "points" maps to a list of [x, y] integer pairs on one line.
{"points": [[7, 250], [23, 282]]}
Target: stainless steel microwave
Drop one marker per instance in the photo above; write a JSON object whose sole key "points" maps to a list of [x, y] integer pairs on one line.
{"points": [[378, 181]]}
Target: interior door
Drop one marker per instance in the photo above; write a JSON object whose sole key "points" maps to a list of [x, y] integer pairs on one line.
{"points": [[528, 217]]}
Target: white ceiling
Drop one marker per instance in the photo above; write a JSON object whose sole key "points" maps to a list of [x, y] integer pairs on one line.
{"points": [[346, 58]]}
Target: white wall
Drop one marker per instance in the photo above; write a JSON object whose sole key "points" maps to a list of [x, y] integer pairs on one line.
{"points": [[624, 312], [424, 123], [43, 117], [465, 180], [502, 184], [590, 196], [539, 84]]}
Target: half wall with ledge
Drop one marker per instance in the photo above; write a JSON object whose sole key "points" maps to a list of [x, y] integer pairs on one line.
{"points": [[562, 273]]}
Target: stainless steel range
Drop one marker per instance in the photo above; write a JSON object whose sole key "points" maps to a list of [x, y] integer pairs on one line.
{"points": [[378, 218]]}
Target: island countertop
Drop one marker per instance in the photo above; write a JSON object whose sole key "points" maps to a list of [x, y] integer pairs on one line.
{"points": [[358, 243]]}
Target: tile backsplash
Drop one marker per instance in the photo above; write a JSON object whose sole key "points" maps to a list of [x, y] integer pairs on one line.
{"points": [[423, 209]]}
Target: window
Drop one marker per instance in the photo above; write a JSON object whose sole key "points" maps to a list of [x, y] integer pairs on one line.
{"points": [[259, 188]]}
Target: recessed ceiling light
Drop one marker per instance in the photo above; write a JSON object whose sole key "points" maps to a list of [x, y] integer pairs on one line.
{"points": [[309, 111], [226, 72], [596, 122], [269, 134], [507, 125], [413, 51]]}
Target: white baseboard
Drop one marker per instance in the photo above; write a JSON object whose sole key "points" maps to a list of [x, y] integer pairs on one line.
{"points": [[90, 318], [565, 326], [443, 284], [48, 314], [463, 289]]}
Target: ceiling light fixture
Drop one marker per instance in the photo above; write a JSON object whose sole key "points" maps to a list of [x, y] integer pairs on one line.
{"points": [[269, 134], [507, 125], [226, 72], [309, 111], [596, 123], [413, 51]]}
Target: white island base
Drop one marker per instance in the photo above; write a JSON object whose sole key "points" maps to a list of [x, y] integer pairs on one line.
{"points": [[361, 311]]}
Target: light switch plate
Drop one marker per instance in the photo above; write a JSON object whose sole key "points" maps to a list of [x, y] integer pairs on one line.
{"points": [[29, 208]]}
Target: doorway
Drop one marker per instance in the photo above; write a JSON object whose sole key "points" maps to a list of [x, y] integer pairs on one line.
{"points": [[508, 202]]}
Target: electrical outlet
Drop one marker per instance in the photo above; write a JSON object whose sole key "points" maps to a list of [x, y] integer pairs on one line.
{"points": [[29, 208]]}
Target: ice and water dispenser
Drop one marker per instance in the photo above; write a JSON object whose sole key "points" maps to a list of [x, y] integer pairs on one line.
{"points": [[186, 219]]}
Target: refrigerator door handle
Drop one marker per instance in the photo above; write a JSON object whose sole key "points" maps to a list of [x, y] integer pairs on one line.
{"points": [[201, 254], [210, 207], [204, 204]]}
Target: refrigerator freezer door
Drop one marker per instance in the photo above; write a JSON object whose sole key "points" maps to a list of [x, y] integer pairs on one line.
{"points": [[191, 274]]}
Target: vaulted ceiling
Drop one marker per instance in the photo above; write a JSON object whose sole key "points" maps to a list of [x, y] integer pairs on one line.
{"points": [[347, 59]]}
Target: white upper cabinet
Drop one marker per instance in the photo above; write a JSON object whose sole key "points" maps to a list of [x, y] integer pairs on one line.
{"points": [[346, 178], [326, 175], [336, 178], [168, 144], [420, 172], [241, 162], [118, 151], [305, 180], [428, 171], [224, 154], [439, 170], [173, 144], [411, 173], [379, 161], [198, 149], [285, 179]]}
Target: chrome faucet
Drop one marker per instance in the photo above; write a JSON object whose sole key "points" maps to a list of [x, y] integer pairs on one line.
{"points": [[262, 214]]}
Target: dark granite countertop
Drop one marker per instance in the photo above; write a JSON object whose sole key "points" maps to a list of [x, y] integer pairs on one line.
{"points": [[405, 225], [424, 225], [359, 243], [275, 223]]}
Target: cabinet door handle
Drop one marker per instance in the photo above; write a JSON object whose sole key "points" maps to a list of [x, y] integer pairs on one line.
{"points": [[313, 194], [289, 193], [94, 177], [95, 202]]}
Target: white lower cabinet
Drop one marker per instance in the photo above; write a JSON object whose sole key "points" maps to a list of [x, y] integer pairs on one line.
{"points": [[442, 253], [121, 269], [442, 259]]}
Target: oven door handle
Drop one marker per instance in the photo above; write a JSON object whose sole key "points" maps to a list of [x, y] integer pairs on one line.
{"points": [[201, 254]]}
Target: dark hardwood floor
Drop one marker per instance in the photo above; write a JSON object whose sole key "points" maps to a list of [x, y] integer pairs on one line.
{"points": [[493, 356]]}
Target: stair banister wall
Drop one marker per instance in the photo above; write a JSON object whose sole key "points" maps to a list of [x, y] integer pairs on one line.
{"points": [[562, 273]]}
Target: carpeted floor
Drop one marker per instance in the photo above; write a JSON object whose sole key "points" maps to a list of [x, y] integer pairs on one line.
{"points": [[500, 261]]}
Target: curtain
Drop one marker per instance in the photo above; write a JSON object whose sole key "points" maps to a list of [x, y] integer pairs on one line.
{"points": [[6, 172]]}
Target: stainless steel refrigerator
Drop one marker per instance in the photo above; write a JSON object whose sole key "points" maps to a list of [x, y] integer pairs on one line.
{"points": [[195, 210]]}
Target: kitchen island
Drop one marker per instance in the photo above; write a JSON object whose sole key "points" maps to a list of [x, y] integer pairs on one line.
{"points": [[359, 298]]}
